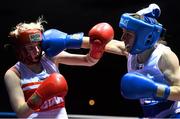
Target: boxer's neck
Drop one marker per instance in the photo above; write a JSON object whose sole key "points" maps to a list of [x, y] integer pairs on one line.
{"points": [[143, 57]]}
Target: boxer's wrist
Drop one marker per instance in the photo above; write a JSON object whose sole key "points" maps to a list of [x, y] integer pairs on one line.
{"points": [[91, 59], [34, 102]]}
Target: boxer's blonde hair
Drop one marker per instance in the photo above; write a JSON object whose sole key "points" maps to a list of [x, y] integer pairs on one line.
{"points": [[23, 26]]}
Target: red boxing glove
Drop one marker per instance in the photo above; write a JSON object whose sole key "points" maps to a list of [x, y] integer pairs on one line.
{"points": [[100, 35], [52, 86]]}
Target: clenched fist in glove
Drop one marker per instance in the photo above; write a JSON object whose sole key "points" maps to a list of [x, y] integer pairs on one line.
{"points": [[100, 35], [54, 85]]}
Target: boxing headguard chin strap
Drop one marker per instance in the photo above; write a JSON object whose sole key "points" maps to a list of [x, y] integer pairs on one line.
{"points": [[147, 31], [31, 37]]}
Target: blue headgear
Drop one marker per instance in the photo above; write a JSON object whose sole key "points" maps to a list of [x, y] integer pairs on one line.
{"points": [[147, 31]]}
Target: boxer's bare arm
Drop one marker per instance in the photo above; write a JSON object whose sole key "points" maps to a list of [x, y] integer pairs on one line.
{"points": [[169, 65], [99, 36], [116, 47], [16, 95]]}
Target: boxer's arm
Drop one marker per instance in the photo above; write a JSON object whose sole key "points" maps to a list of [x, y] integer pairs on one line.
{"points": [[74, 59], [116, 47], [169, 65], [113, 46], [85, 42], [99, 36], [16, 95]]}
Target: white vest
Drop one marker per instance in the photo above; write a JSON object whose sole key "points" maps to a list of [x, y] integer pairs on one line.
{"points": [[30, 81], [151, 70]]}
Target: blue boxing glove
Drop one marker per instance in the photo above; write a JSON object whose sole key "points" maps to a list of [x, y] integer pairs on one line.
{"points": [[135, 86], [55, 41], [153, 10]]}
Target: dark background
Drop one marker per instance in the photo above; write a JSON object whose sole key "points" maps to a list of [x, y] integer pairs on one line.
{"points": [[100, 82]]}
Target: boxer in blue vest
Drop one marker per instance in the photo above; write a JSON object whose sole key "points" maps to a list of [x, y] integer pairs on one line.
{"points": [[153, 68]]}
